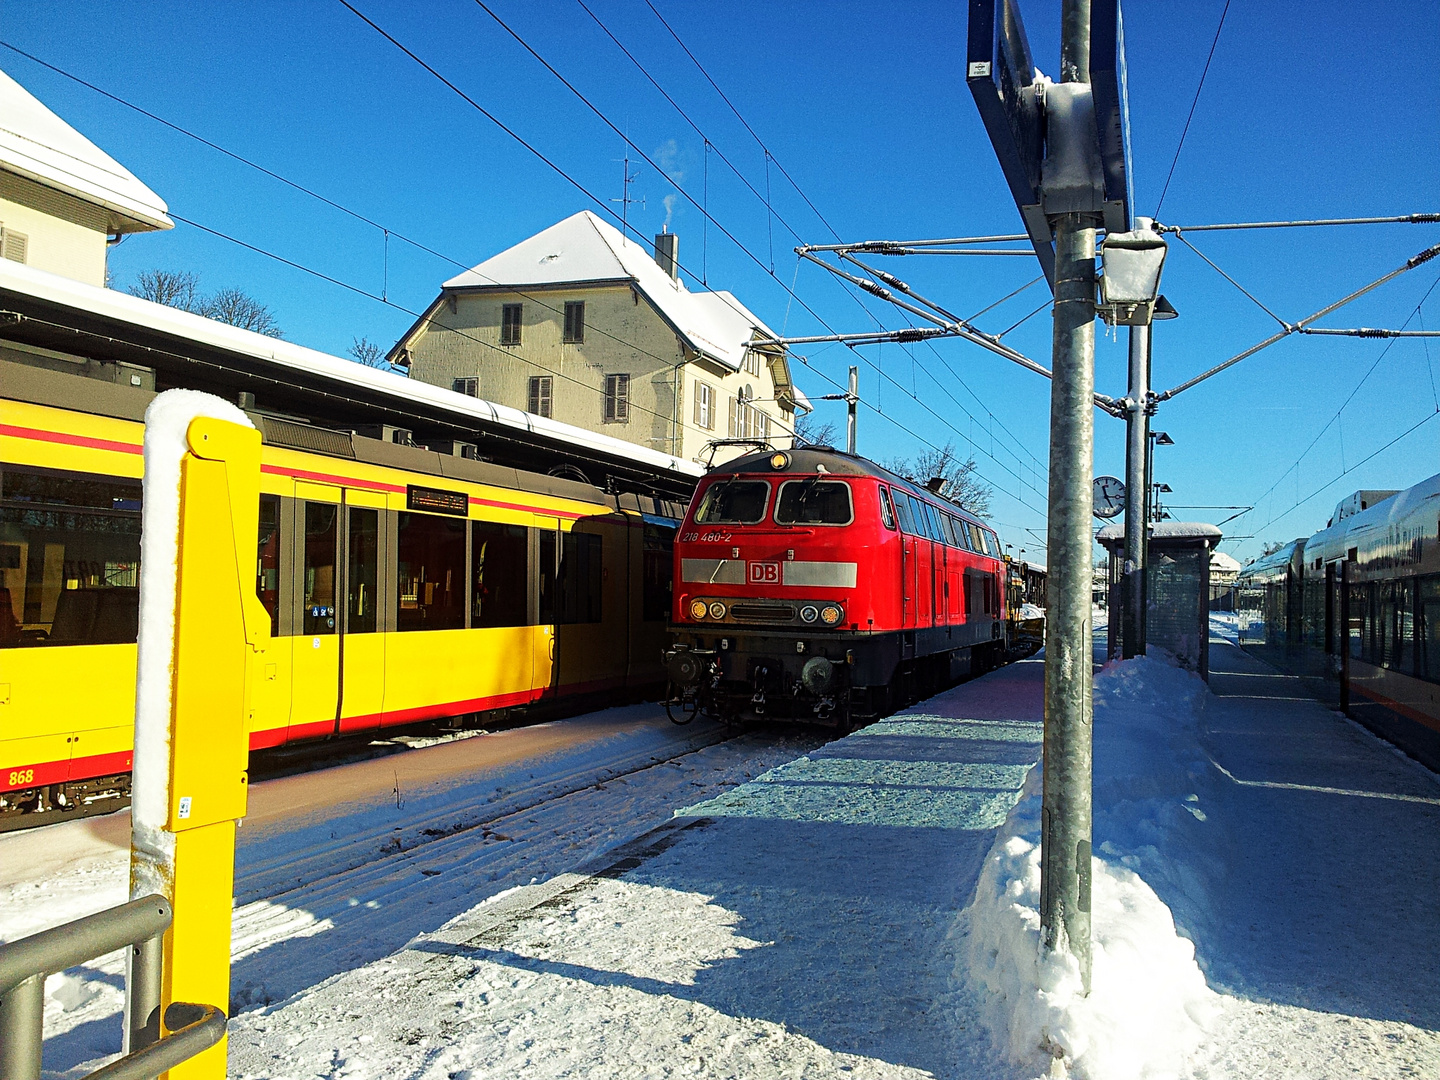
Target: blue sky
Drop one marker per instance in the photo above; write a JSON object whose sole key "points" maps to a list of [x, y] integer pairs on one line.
{"points": [[1309, 110]]}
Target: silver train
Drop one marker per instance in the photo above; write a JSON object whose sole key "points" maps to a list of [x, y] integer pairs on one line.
{"points": [[1356, 610]]}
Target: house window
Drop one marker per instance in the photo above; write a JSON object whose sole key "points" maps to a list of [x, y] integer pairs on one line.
{"points": [[510, 324], [540, 389], [469, 386], [617, 399], [704, 406], [574, 322]]}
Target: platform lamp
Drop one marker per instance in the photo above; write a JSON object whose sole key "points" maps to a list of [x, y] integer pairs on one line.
{"points": [[1130, 285]]}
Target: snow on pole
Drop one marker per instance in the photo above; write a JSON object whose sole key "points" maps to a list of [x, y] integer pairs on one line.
{"points": [[201, 630], [167, 422]]}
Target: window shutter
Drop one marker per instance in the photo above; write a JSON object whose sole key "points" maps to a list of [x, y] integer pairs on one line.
{"points": [[14, 246], [699, 391], [731, 428], [622, 398]]}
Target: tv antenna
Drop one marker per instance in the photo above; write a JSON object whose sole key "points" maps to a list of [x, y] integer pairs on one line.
{"points": [[625, 200]]}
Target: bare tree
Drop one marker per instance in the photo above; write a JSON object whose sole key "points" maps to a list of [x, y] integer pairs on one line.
{"points": [[173, 288], [959, 480], [1270, 547], [241, 309], [181, 289], [809, 431], [369, 353]]}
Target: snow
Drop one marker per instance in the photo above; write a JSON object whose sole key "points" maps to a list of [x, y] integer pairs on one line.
{"points": [[1164, 530], [1266, 900], [167, 420], [37, 144], [1031, 611]]}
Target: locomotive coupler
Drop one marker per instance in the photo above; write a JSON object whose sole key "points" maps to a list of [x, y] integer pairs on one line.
{"points": [[757, 700]]}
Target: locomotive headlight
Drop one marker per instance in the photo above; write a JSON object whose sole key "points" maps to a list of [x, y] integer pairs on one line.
{"points": [[831, 614], [717, 610], [779, 460], [809, 613], [698, 609]]}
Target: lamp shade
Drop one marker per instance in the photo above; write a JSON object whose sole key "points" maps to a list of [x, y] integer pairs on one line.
{"points": [[1131, 283]]}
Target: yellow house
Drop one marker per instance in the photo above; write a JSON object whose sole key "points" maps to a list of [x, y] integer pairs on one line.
{"points": [[63, 200], [582, 325]]}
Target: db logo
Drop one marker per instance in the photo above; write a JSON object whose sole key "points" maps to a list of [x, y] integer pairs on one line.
{"points": [[764, 573]]}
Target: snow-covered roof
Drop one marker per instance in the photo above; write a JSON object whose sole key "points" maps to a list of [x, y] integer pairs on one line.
{"points": [[1224, 563], [157, 317], [1165, 530], [584, 249], [38, 145]]}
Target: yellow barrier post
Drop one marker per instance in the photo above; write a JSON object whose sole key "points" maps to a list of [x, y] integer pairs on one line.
{"points": [[202, 629]]}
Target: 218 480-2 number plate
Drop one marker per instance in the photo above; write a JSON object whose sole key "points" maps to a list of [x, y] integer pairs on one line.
{"points": [[765, 573]]}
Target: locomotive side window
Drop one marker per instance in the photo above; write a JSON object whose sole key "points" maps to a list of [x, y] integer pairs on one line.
{"points": [[500, 569], [734, 502], [431, 577], [932, 517], [956, 529], [814, 502], [69, 558], [887, 513], [267, 560], [902, 511], [320, 533]]}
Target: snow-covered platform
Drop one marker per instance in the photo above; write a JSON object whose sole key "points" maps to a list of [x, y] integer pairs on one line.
{"points": [[799, 924]]}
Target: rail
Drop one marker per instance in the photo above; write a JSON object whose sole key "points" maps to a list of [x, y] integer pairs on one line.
{"points": [[140, 926]]}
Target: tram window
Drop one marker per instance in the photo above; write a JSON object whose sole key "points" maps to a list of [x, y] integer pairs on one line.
{"points": [[362, 571], [267, 560], [887, 512], [814, 502], [320, 535], [431, 563], [580, 578], [902, 511], [69, 558], [500, 574], [657, 573], [734, 502], [1427, 637]]}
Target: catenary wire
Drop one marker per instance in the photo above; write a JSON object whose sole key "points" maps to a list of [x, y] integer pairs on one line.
{"points": [[1186, 130]]}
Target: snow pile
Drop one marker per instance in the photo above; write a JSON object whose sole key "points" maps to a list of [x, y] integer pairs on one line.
{"points": [[1225, 625], [1031, 611], [1149, 1006]]}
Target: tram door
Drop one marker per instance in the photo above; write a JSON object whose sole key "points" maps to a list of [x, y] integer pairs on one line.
{"points": [[315, 656], [362, 602]]}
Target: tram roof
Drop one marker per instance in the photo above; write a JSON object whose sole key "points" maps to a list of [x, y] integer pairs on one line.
{"points": [[51, 312]]}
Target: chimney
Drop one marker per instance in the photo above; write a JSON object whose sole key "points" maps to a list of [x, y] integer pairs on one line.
{"points": [[667, 247]]}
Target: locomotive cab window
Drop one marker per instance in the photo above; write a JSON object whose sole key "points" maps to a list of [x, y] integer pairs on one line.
{"points": [[887, 513], [814, 502], [734, 502]]}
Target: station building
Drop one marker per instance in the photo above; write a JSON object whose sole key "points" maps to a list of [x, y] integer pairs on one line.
{"points": [[582, 325], [63, 200]]}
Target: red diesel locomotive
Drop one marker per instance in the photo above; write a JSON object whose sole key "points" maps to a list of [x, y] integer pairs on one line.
{"points": [[814, 584]]}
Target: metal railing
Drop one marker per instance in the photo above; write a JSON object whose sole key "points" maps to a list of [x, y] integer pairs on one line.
{"points": [[140, 926]]}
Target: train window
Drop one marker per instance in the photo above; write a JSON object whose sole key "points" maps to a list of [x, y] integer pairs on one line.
{"points": [[1427, 633], [500, 574], [267, 560], [992, 543], [69, 558], [430, 556], [814, 502], [937, 530], [955, 530], [887, 512], [734, 502], [902, 511], [658, 573], [580, 578], [362, 571], [320, 535]]}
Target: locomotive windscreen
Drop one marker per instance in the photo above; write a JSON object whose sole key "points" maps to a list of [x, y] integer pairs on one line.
{"points": [[734, 502], [813, 502]]}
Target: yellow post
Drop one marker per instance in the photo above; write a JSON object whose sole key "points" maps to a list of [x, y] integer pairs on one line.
{"points": [[192, 749]]}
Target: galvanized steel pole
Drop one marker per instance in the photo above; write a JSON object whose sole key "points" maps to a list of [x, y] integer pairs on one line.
{"points": [[1137, 430], [852, 401], [1065, 813]]}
